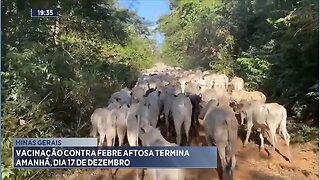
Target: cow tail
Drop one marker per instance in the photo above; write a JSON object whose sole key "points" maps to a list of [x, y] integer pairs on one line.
{"points": [[137, 135], [93, 131], [116, 131], [283, 123], [232, 142]]}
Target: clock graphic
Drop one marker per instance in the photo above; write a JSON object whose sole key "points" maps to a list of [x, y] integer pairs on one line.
{"points": [[44, 12]]}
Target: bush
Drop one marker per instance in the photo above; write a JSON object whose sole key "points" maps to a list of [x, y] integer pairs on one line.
{"points": [[52, 82]]}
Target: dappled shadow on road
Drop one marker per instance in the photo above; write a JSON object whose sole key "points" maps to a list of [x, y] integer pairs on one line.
{"points": [[282, 155], [251, 164], [254, 136]]}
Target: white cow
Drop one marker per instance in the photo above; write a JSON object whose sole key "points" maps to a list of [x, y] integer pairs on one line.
{"points": [[134, 122], [221, 81], [268, 116], [181, 112], [210, 94], [192, 88], [98, 122], [237, 96], [152, 102], [137, 94], [152, 137], [123, 97], [168, 101], [183, 80], [121, 122], [103, 121], [221, 128], [236, 83]]}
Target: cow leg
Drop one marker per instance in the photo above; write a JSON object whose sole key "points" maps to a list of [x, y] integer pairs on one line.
{"points": [[113, 140], [249, 127], [101, 138], [154, 122], [110, 173], [159, 117], [114, 175], [242, 119], [286, 137], [261, 139], [121, 134], [132, 139], [222, 155], [276, 137], [154, 174], [109, 141], [273, 134], [137, 174], [233, 161], [177, 126], [166, 120], [187, 125], [142, 174]]}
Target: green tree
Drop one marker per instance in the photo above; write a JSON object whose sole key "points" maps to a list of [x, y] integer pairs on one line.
{"points": [[271, 44], [56, 71]]}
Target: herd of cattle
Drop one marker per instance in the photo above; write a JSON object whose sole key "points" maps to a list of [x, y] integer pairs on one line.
{"points": [[181, 98]]}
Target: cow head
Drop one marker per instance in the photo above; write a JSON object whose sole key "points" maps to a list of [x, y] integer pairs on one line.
{"points": [[240, 108]]}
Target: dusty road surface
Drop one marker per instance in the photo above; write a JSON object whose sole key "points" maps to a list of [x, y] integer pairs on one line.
{"points": [[251, 164]]}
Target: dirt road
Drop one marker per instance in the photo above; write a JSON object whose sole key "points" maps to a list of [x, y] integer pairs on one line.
{"points": [[251, 164]]}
